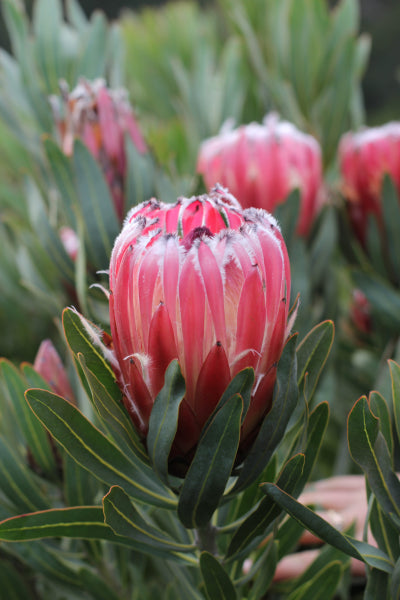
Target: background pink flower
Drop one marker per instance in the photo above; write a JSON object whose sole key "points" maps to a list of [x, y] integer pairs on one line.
{"points": [[261, 163]]}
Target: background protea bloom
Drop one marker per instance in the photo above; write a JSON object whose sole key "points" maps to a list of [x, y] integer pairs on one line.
{"points": [[365, 157], [100, 117], [207, 283], [262, 163]]}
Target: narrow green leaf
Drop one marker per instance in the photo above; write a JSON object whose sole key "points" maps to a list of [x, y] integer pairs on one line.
{"points": [[212, 464], [18, 483], [140, 175], [125, 520], [395, 379], [47, 19], [312, 353], [391, 219], [217, 581], [164, 420], [62, 171], [96, 206], [395, 583], [377, 585], [80, 487], [322, 586], [322, 529], [36, 437], [94, 451], [384, 300], [114, 416], [274, 425], [85, 338], [13, 585], [380, 409], [257, 523], [369, 449], [385, 533], [92, 62], [83, 522], [97, 587]]}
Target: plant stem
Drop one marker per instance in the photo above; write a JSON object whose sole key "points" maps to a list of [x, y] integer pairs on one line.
{"points": [[206, 538]]}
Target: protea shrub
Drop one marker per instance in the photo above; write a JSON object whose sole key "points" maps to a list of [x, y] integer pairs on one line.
{"points": [[101, 117], [207, 283], [261, 163], [365, 157]]}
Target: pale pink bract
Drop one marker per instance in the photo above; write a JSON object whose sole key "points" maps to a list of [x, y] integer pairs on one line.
{"points": [[261, 163], [207, 283]]}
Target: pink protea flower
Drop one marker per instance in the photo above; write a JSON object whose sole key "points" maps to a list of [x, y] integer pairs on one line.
{"points": [[49, 365], [262, 163], [365, 157], [100, 117], [207, 283]]}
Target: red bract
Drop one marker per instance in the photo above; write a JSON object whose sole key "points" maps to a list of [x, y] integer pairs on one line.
{"points": [[207, 283], [101, 118], [364, 158], [262, 163]]}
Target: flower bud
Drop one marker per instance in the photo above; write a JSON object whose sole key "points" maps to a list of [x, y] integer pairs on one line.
{"points": [[207, 283], [365, 157], [100, 117], [49, 365], [262, 163]]}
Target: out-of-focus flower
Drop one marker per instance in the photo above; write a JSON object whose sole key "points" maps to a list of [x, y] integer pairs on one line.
{"points": [[49, 365], [70, 241], [207, 283], [360, 312], [365, 157], [262, 163], [100, 117]]}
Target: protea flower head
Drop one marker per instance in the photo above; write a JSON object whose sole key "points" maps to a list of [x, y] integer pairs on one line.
{"points": [[207, 283], [365, 157], [100, 117], [261, 163]]}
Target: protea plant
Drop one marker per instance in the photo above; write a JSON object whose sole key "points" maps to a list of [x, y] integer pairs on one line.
{"points": [[261, 163], [101, 117], [365, 157], [207, 283]]}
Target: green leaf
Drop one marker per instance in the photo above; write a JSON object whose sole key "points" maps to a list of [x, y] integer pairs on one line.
{"points": [[322, 586], [95, 205], [164, 420], [377, 585], [126, 520], [395, 379], [114, 416], [384, 300], [322, 529], [47, 19], [97, 587], [18, 483], [395, 583], [83, 522], [85, 338], [94, 451], [36, 437], [256, 524], [61, 168], [383, 530], [312, 354], [211, 466], [13, 586], [217, 581], [274, 425], [380, 409], [92, 62], [369, 449], [80, 487], [391, 219], [140, 175]]}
